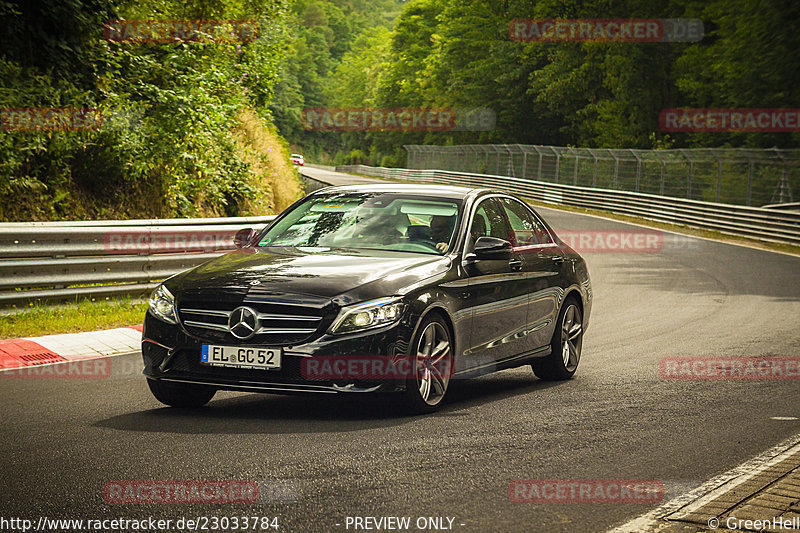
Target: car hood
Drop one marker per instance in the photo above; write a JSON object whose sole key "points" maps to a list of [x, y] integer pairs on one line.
{"points": [[322, 272]]}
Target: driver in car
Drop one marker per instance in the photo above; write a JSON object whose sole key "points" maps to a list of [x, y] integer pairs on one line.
{"points": [[442, 231]]}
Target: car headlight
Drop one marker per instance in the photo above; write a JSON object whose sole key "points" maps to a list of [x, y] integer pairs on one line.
{"points": [[162, 305], [372, 314]]}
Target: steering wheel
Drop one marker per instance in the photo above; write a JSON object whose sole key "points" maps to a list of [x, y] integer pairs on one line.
{"points": [[424, 245], [428, 243]]}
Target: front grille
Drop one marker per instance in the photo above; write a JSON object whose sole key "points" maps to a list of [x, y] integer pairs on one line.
{"points": [[278, 323]]}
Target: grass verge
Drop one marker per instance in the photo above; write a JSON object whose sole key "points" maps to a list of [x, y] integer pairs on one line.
{"points": [[71, 318]]}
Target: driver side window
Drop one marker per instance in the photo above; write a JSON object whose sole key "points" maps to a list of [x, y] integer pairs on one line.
{"points": [[488, 221]]}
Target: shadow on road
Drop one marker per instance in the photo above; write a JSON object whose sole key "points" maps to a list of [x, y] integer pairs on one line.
{"points": [[273, 414]]}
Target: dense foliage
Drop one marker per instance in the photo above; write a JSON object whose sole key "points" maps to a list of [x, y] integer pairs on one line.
{"points": [[188, 126], [458, 53], [174, 140]]}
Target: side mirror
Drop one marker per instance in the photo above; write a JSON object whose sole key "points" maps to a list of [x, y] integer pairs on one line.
{"points": [[492, 248], [243, 237]]}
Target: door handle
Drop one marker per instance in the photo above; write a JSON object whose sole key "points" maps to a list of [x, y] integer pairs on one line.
{"points": [[515, 264], [557, 260]]}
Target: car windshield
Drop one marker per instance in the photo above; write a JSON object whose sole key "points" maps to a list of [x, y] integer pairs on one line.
{"points": [[378, 221]]}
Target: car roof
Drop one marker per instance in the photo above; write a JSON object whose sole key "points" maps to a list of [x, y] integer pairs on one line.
{"points": [[448, 191]]}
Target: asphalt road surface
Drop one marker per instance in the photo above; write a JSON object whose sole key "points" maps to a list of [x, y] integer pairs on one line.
{"points": [[322, 459]]}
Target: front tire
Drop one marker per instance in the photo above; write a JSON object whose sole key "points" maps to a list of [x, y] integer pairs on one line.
{"points": [[432, 360], [565, 347], [181, 394]]}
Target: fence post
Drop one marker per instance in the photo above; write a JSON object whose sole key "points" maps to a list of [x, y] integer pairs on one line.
{"points": [[575, 171], [638, 169], [689, 174], [558, 162], [719, 175], [510, 171], [663, 171], [524, 163], [539, 171], [616, 168]]}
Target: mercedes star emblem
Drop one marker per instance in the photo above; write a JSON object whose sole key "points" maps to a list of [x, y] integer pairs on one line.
{"points": [[243, 323]]}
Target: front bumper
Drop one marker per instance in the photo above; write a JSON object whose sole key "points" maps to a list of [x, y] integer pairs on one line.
{"points": [[172, 354]]}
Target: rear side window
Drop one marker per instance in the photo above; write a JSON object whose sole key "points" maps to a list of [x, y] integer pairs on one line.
{"points": [[526, 230]]}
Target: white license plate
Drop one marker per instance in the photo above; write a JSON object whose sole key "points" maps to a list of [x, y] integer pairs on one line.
{"points": [[241, 356]]}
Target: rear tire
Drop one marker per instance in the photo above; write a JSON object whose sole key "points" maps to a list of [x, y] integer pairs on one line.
{"points": [[565, 347], [432, 360], [181, 394]]}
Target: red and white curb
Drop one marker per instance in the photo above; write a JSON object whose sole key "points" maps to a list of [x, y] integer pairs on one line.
{"points": [[31, 351]]}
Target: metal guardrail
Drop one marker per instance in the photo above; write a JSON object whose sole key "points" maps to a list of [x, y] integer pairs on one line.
{"points": [[58, 261], [754, 222]]}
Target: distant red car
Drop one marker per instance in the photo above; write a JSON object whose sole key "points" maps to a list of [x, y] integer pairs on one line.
{"points": [[298, 159]]}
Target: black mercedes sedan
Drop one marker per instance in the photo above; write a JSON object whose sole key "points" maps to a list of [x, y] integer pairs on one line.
{"points": [[376, 288]]}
